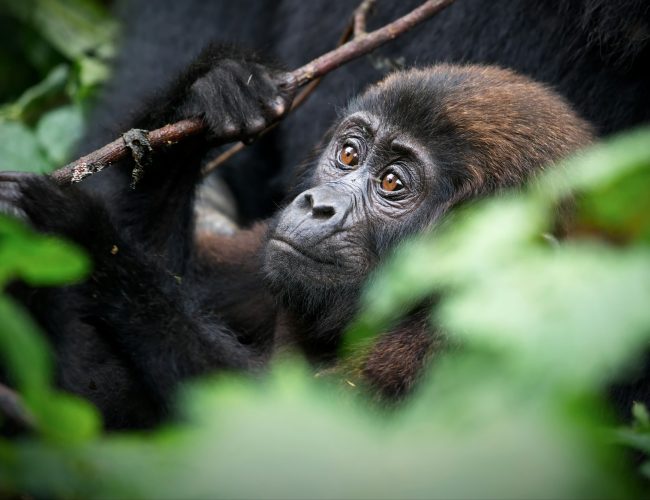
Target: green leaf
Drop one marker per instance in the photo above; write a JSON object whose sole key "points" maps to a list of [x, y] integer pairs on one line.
{"points": [[65, 418], [25, 353], [58, 132], [75, 27], [634, 439], [620, 208], [91, 73], [59, 417], [38, 259], [37, 97], [573, 315], [641, 416], [600, 165], [612, 181], [20, 150], [300, 439]]}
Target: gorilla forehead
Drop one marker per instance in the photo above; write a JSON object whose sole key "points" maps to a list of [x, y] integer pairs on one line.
{"points": [[408, 101]]}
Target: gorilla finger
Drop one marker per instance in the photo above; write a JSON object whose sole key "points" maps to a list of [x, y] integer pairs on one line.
{"points": [[286, 83], [10, 192], [224, 128], [277, 107], [11, 176], [254, 125], [10, 209]]}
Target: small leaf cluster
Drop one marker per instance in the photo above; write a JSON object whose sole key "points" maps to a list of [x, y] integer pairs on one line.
{"points": [[59, 51]]}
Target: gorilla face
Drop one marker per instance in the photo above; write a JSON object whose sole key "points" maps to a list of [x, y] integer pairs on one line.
{"points": [[368, 191]]}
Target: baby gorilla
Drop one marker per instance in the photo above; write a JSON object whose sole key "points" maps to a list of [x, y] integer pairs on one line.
{"points": [[164, 304]]}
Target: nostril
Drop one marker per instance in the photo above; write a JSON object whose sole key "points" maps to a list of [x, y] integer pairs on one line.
{"points": [[323, 211], [320, 204]]}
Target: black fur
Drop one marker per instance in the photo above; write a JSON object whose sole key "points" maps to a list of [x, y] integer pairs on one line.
{"points": [[164, 304]]}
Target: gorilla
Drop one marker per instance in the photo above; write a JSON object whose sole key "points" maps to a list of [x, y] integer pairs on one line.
{"points": [[165, 303], [595, 53]]}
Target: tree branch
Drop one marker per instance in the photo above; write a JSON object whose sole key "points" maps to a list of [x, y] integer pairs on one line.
{"points": [[172, 133]]}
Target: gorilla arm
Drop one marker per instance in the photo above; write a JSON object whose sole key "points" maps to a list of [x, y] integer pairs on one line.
{"points": [[143, 297], [237, 96], [153, 317]]}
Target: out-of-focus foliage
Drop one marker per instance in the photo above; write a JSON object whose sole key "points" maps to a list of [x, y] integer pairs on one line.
{"points": [[39, 260], [517, 411], [638, 434], [53, 56]]}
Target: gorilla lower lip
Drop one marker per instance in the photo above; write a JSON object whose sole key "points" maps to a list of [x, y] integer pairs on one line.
{"points": [[295, 250]]}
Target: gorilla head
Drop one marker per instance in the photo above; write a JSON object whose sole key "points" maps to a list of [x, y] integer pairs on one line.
{"points": [[402, 154]]}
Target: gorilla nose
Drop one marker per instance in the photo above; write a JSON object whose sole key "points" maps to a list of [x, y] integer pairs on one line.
{"points": [[320, 208], [324, 203], [316, 213]]}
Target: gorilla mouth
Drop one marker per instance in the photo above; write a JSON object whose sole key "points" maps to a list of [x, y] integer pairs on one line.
{"points": [[289, 247]]}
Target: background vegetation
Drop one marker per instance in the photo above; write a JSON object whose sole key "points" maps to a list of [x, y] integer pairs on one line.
{"points": [[518, 411]]}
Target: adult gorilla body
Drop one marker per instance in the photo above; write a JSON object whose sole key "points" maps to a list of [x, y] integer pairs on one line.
{"points": [[164, 304], [594, 52]]}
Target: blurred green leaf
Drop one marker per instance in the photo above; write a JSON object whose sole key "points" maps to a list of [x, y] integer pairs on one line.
{"points": [[298, 439], [25, 353], [20, 150], [38, 259], [91, 73], [621, 208], [59, 417], [58, 132], [600, 165], [572, 316], [612, 181], [37, 97], [77, 28], [641, 416]]}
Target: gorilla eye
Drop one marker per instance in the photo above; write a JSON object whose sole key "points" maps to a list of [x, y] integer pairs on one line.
{"points": [[391, 182], [349, 156]]}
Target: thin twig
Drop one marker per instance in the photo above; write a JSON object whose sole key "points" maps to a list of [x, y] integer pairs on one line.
{"points": [[360, 17], [170, 134], [346, 53]]}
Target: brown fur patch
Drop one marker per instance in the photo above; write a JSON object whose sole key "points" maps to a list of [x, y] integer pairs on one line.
{"points": [[236, 249]]}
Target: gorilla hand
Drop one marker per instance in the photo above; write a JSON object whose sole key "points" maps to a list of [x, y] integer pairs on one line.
{"points": [[236, 93]]}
